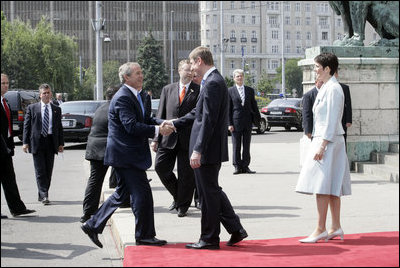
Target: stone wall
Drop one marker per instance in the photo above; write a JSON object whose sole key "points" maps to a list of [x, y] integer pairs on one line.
{"points": [[372, 74]]}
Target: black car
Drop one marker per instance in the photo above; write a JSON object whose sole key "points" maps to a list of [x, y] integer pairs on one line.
{"points": [[285, 113], [19, 99], [154, 107], [262, 127], [77, 118]]}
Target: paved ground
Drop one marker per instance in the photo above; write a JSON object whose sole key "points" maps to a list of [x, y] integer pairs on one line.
{"points": [[267, 203]]}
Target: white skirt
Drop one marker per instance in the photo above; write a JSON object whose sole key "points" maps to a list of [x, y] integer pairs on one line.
{"points": [[331, 175]]}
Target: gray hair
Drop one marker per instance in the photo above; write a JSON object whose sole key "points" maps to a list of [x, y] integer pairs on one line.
{"points": [[125, 69], [238, 71]]}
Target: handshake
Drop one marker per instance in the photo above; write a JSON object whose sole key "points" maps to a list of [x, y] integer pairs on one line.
{"points": [[167, 127]]}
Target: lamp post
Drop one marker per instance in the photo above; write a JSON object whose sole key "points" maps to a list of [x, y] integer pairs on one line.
{"points": [[98, 27], [172, 50], [283, 58]]}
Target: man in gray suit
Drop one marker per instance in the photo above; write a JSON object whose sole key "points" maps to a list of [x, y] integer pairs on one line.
{"points": [[177, 99], [243, 112]]}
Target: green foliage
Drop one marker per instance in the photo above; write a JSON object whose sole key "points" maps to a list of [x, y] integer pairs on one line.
{"points": [[262, 102], [153, 67], [86, 90], [293, 76], [229, 81], [34, 56], [265, 86]]}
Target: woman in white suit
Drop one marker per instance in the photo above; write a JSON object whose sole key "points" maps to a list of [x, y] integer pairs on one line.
{"points": [[326, 170]]}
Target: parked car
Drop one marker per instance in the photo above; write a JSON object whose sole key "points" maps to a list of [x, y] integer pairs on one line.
{"points": [[260, 129], [285, 113], [77, 117], [154, 107], [19, 99]]}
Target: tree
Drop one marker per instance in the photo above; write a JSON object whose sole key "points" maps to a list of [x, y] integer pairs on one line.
{"points": [[110, 78], [293, 75], [153, 67], [265, 86], [229, 81], [34, 56]]}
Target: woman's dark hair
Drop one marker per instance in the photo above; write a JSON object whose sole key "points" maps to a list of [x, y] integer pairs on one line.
{"points": [[328, 59], [111, 91]]}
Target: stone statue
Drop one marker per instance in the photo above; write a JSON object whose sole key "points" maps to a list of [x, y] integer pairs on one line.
{"points": [[382, 15]]}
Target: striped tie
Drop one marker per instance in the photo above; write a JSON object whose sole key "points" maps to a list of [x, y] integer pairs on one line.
{"points": [[45, 121], [241, 93], [182, 95]]}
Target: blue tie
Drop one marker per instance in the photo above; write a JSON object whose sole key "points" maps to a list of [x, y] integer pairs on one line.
{"points": [[140, 102], [202, 84], [45, 121]]}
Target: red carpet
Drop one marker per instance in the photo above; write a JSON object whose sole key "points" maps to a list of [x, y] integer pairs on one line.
{"points": [[361, 250]]}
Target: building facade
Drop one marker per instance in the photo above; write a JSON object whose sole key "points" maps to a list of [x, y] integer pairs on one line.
{"points": [[125, 24], [256, 33]]}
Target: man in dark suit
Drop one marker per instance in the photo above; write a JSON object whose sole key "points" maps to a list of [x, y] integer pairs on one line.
{"points": [[7, 174], [347, 111], [95, 149], [58, 101], [43, 137], [129, 128], [308, 102], [208, 149], [243, 112], [177, 99]]}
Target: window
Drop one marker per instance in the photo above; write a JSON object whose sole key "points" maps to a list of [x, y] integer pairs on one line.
{"points": [[253, 34], [339, 36], [232, 4], [232, 64], [274, 64], [308, 21], [298, 50], [253, 20], [253, 64], [243, 35], [243, 19], [233, 49], [274, 49], [308, 7], [207, 34], [323, 21], [286, 6], [214, 19], [242, 4], [214, 4], [339, 22], [287, 49], [244, 50], [233, 34], [273, 20], [308, 36], [275, 35], [253, 5], [298, 7], [215, 48], [287, 20], [287, 35], [208, 19], [324, 35], [233, 19], [297, 21], [253, 49]]}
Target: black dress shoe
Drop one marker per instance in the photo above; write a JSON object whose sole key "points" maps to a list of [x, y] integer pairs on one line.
{"points": [[24, 212], [84, 218], [236, 237], [4, 216], [248, 171], [237, 171], [151, 242], [92, 235], [172, 206], [182, 212], [45, 201], [202, 245]]}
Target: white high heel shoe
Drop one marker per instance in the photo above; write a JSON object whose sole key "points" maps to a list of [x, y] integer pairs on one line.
{"points": [[338, 232], [315, 239]]}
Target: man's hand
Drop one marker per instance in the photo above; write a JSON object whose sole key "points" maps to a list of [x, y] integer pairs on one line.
{"points": [[25, 148], [231, 129], [348, 125], [60, 148], [166, 129], [195, 160], [154, 146]]}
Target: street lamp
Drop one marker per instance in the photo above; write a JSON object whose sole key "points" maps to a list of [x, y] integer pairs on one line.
{"points": [[172, 50]]}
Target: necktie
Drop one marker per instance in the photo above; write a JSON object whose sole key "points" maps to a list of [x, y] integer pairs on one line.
{"points": [[202, 84], [140, 102], [8, 115], [241, 93], [182, 95], [45, 121]]}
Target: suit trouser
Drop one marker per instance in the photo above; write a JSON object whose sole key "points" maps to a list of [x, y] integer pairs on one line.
{"points": [[215, 205], [43, 161], [93, 189], [131, 182], [241, 160], [181, 188], [10, 187]]}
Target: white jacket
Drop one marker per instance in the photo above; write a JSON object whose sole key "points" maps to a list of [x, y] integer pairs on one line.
{"points": [[328, 110]]}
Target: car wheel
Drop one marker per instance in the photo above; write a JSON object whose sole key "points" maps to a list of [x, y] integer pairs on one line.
{"points": [[263, 126], [268, 127], [299, 128], [287, 128]]}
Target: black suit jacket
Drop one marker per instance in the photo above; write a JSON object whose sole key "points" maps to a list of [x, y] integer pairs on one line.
{"points": [[97, 139], [242, 117], [7, 143], [209, 134], [347, 112], [308, 102], [33, 127], [170, 108]]}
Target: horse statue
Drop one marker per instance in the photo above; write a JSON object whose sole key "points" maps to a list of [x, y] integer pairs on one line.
{"points": [[382, 15]]}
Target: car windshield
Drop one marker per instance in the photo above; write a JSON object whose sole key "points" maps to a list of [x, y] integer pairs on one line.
{"points": [[79, 107], [285, 103]]}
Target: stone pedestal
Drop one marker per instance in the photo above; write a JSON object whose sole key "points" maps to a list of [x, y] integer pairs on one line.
{"points": [[372, 74]]}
